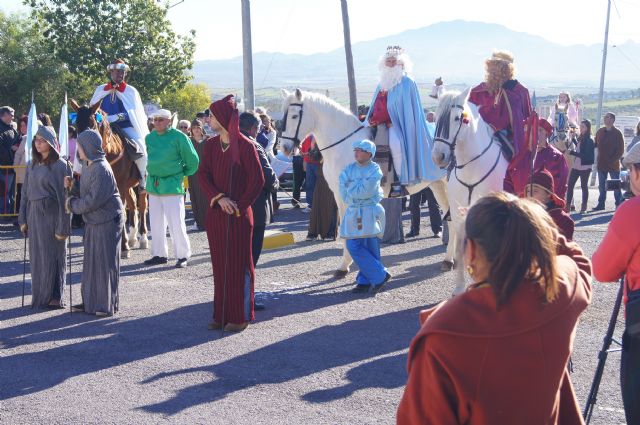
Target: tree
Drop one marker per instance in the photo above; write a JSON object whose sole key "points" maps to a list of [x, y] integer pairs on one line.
{"points": [[27, 65], [87, 35], [188, 101]]}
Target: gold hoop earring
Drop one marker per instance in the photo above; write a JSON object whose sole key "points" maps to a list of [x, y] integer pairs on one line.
{"points": [[470, 270]]}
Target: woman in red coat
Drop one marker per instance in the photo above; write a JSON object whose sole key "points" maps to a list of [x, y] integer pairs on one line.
{"points": [[498, 353]]}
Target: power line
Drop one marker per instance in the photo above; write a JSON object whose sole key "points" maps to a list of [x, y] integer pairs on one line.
{"points": [[284, 28], [627, 57]]}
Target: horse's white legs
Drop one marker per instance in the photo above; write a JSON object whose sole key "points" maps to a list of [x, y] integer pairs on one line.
{"points": [[461, 284], [343, 270], [346, 260], [144, 241], [133, 231]]}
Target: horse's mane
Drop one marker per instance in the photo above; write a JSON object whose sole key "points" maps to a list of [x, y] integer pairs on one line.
{"points": [[111, 144], [446, 101], [330, 106]]}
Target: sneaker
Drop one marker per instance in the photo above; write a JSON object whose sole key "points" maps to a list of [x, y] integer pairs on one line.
{"points": [[78, 308], [378, 288], [412, 234], [181, 263], [311, 238], [598, 208], [156, 260], [360, 289]]}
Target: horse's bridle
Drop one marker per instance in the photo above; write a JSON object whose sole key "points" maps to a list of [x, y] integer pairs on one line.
{"points": [[296, 137], [452, 144], [455, 167]]}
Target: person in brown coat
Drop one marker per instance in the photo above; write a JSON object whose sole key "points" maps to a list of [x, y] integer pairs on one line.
{"points": [[498, 353], [610, 145]]}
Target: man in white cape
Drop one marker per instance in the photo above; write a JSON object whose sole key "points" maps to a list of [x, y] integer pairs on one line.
{"points": [[124, 108]]}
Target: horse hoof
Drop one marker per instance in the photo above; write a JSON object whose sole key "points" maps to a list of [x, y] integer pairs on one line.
{"points": [[446, 266], [125, 255], [144, 243], [339, 274], [133, 243]]}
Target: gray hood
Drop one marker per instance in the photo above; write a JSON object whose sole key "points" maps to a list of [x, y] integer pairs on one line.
{"points": [[91, 143]]}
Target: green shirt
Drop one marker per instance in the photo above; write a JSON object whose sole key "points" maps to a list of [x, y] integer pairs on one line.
{"points": [[171, 157]]}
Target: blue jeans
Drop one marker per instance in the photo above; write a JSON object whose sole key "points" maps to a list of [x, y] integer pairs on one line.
{"points": [[366, 254], [602, 187], [7, 181], [310, 182]]}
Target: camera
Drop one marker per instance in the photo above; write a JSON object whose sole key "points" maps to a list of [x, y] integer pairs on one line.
{"points": [[623, 183]]}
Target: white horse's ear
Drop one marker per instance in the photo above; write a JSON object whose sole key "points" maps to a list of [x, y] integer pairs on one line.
{"points": [[299, 94], [464, 96], [285, 93]]}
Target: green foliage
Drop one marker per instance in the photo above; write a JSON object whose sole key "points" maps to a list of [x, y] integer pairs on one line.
{"points": [[187, 101], [87, 35], [27, 65]]}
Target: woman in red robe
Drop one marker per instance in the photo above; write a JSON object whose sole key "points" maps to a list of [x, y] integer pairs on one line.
{"points": [[231, 178]]}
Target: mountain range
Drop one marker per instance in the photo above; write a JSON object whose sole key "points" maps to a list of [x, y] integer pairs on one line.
{"points": [[454, 50]]}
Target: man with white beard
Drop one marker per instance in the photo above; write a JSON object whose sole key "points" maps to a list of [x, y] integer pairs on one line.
{"points": [[396, 105]]}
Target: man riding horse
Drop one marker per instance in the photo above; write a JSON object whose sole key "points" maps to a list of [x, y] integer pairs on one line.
{"points": [[396, 112], [505, 104], [125, 113]]}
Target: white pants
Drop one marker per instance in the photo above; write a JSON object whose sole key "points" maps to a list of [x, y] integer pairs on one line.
{"points": [[395, 146], [163, 210], [141, 162]]}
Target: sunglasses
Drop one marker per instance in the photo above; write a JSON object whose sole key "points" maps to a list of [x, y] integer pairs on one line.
{"points": [[183, 127], [160, 119]]}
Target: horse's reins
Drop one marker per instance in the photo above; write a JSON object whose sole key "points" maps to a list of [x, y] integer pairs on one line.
{"points": [[452, 164], [296, 139]]}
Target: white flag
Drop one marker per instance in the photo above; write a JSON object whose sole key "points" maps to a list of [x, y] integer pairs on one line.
{"points": [[63, 131], [32, 129]]}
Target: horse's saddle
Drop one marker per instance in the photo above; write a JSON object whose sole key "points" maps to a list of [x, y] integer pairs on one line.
{"points": [[506, 144], [131, 148], [383, 156]]}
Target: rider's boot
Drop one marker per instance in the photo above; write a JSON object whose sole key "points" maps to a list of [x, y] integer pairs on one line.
{"points": [[141, 163]]}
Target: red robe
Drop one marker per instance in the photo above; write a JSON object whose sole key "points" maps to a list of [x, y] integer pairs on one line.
{"points": [[243, 187], [507, 110], [553, 160], [458, 371]]}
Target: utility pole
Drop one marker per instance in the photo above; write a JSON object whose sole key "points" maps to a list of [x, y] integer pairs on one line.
{"points": [[247, 58], [351, 78], [601, 92]]}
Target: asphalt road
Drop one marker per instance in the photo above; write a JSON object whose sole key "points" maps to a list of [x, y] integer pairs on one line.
{"points": [[317, 355]]}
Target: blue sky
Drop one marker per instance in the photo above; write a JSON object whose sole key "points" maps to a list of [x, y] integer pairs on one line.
{"points": [[310, 26]]}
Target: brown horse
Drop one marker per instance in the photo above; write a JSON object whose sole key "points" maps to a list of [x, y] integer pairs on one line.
{"points": [[125, 171]]}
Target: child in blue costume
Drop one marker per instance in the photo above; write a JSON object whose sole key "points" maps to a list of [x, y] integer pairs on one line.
{"points": [[363, 221]]}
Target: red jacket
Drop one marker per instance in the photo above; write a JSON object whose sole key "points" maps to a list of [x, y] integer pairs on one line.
{"points": [[619, 251], [471, 364]]}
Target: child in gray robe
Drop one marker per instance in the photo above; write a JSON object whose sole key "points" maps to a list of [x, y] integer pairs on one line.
{"points": [[98, 200], [43, 218]]}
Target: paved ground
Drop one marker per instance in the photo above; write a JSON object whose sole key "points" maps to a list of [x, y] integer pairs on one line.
{"points": [[318, 354]]}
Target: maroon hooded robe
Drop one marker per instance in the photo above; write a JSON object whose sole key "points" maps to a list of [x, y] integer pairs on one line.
{"points": [[507, 110], [235, 173]]}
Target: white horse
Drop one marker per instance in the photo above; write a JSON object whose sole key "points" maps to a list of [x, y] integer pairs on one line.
{"points": [[335, 130], [464, 142]]}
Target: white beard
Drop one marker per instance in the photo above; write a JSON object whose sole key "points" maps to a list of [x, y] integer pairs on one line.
{"points": [[390, 77]]}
